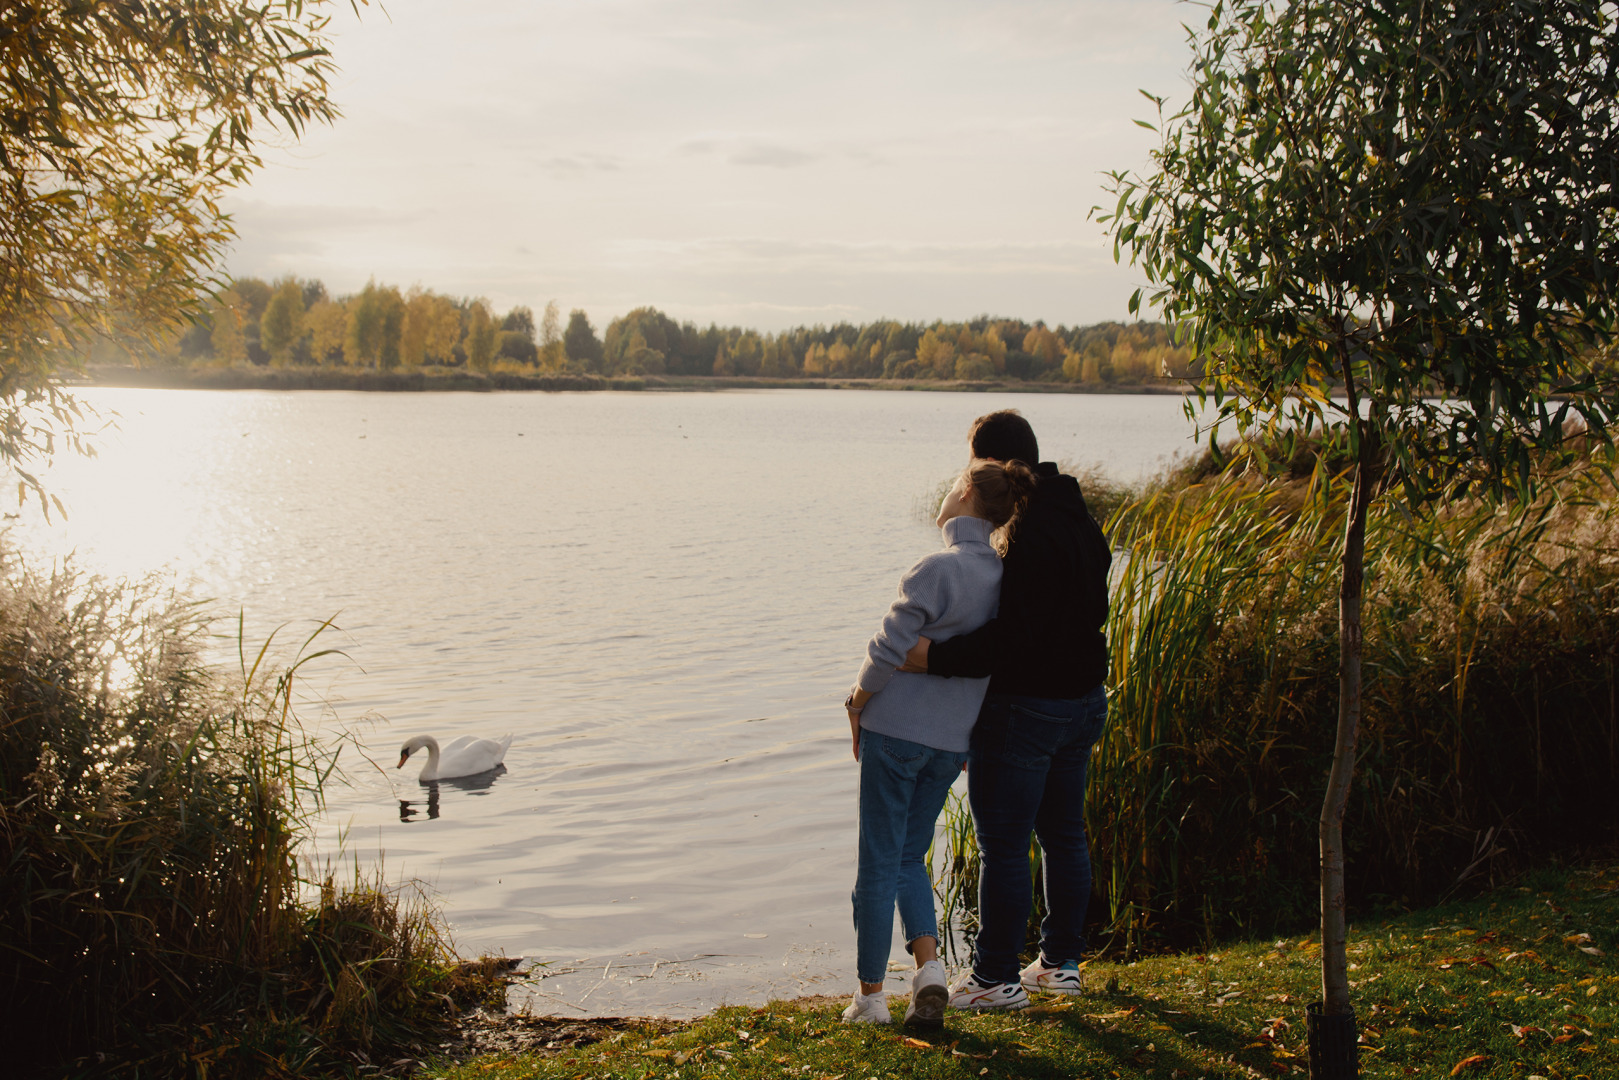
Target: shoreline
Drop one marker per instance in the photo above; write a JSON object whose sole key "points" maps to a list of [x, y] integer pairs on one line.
{"points": [[453, 379]]}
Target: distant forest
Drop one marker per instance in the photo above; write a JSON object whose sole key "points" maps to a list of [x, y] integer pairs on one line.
{"points": [[297, 323]]}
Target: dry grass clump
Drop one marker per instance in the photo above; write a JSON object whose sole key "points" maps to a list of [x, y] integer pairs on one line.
{"points": [[149, 812]]}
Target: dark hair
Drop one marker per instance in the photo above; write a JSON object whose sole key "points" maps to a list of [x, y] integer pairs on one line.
{"points": [[1004, 436], [1001, 490]]}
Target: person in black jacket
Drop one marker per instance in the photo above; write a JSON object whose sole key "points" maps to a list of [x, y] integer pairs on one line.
{"points": [[1046, 655]]}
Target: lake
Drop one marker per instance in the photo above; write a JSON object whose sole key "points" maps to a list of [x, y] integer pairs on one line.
{"points": [[664, 597]]}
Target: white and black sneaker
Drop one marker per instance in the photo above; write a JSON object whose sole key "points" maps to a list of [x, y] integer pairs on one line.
{"points": [[969, 993], [1063, 978], [868, 1009], [929, 995]]}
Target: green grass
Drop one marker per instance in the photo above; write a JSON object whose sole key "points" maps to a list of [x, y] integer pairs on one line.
{"points": [[1497, 986]]}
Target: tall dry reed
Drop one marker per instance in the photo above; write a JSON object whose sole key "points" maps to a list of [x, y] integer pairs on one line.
{"points": [[1489, 736], [150, 809]]}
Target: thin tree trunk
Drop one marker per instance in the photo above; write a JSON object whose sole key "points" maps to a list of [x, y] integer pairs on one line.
{"points": [[1334, 926]]}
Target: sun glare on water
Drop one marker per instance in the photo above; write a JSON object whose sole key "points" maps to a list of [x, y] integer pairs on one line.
{"points": [[151, 499]]}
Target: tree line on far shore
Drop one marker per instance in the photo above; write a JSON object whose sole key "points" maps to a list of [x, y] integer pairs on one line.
{"points": [[298, 323]]}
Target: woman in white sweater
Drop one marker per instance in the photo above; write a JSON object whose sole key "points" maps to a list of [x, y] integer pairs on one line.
{"points": [[911, 734]]}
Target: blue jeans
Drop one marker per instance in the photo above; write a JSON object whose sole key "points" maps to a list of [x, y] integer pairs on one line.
{"points": [[903, 786], [1028, 775]]}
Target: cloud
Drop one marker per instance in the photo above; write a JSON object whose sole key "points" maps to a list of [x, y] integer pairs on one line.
{"points": [[582, 163], [775, 157], [779, 256], [275, 239], [746, 150]]}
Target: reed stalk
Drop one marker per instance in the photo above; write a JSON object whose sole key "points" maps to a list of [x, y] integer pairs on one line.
{"points": [[150, 812]]}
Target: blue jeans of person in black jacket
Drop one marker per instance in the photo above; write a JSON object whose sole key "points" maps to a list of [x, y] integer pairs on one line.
{"points": [[1027, 775]]}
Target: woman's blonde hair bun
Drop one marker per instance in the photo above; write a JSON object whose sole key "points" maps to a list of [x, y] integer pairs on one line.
{"points": [[1001, 491]]}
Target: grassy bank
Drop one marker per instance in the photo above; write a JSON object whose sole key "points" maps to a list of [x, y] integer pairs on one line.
{"points": [[1518, 983]]}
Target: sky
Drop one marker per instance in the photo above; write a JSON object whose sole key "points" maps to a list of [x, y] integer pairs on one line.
{"points": [[734, 161]]}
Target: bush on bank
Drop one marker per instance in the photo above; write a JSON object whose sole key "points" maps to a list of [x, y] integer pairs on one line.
{"points": [[149, 810]]}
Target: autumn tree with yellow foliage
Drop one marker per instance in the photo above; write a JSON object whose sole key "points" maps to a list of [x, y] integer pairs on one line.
{"points": [[124, 125]]}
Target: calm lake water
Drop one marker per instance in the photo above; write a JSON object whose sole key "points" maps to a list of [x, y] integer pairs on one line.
{"points": [[664, 597]]}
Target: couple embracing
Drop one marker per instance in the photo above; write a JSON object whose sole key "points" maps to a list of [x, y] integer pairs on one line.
{"points": [[1000, 655]]}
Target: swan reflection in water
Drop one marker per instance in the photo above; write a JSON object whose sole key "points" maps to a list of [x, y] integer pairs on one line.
{"points": [[477, 784]]}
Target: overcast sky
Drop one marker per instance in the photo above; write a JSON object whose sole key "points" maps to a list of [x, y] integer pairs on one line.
{"points": [[745, 162]]}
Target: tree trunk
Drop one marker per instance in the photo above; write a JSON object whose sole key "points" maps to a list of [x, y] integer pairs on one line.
{"points": [[1333, 1052], [1334, 962]]}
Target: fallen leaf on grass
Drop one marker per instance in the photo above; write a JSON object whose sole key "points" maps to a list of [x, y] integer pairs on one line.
{"points": [[1468, 1063], [657, 1053], [917, 1043], [1112, 1015]]}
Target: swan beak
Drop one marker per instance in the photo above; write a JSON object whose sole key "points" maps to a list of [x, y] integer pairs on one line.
{"points": [[402, 758]]}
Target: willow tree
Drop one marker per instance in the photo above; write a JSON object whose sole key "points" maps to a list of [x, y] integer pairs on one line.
{"points": [[1393, 219], [122, 124]]}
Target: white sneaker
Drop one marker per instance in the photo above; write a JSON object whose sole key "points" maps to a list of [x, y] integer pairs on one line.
{"points": [[868, 1009], [928, 996], [1064, 978], [969, 993]]}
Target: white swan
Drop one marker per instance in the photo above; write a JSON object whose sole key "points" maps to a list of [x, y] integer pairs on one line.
{"points": [[466, 756]]}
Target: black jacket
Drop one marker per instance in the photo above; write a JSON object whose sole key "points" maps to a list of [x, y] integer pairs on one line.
{"points": [[1047, 639]]}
